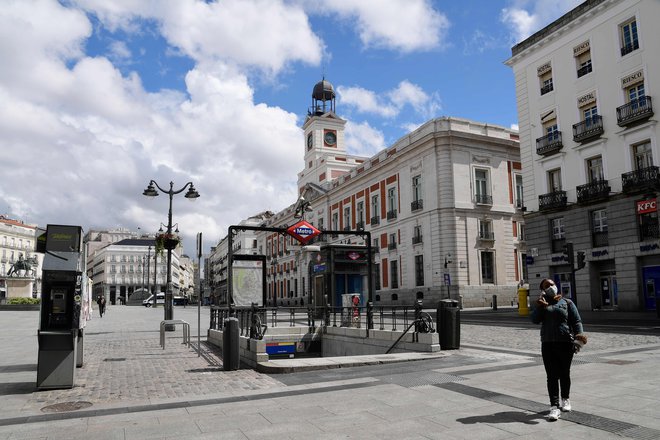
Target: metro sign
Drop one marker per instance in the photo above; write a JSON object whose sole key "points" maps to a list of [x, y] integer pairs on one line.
{"points": [[303, 231], [645, 206]]}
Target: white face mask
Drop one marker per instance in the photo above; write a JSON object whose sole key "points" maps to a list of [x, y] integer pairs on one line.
{"points": [[550, 291]]}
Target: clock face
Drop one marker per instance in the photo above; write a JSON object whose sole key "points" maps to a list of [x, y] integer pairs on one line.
{"points": [[330, 138], [310, 141]]}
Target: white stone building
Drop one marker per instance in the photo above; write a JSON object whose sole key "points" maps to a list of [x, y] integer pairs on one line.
{"points": [[18, 241], [589, 150], [442, 205]]}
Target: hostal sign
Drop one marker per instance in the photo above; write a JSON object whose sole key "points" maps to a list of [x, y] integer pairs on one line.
{"points": [[303, 231]]}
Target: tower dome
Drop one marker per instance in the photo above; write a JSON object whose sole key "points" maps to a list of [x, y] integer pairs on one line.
{"points": [[323, 98]]}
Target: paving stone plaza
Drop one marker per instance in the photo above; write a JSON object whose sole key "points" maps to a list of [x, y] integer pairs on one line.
{"points": [[493, 387]]}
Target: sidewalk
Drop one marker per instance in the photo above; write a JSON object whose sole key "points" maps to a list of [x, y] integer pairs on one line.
{"points": [[494, 387]]}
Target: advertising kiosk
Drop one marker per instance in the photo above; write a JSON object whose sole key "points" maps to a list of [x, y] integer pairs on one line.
{"points": [[65, 305]]}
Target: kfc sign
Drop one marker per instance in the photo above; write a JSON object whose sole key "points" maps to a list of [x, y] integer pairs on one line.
{"points": [[646, 206]]}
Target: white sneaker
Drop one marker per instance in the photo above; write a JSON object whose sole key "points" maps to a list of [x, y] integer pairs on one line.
{"points": [[555, 413], [566, 405]]}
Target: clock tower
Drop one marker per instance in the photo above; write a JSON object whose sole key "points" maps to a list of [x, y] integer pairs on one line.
{"points": [[325, 151]]}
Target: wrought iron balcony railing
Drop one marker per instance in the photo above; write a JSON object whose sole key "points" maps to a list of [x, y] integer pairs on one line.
{"points": [[641, 180], [593, 191], [634, 111], [625, 50], [588, 129], [584, 70], [486, 235], [391, 214], [375, 220], [519, 203], [391, 246], [417, 239], [649, 230], [600, 238], [553, 200], [483, 199], [416, 204], [359, 225], [547, 89], [549, 144]]}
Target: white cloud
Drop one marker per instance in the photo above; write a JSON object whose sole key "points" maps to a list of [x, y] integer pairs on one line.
{"points": [[80, 141], [515, 127], [119, 51], [524, 17], [402, 25], [266, 34], [390, 103], [363, 140]]}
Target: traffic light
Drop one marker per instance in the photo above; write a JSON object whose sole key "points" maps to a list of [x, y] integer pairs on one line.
{"points": [[568, 253], [447, 260], [580, 260]]}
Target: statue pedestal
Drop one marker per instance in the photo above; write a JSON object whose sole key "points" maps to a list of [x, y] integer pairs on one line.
{"points": [[19, 287]]}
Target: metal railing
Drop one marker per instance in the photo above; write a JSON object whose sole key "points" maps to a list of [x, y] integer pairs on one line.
{"points": [[391, 214], [641, 179], [630, 47], [634, 111], [391, 245], [486, 235], [549, 144], [416, 204], [547, 89], [600, 239], [593, 191], [254, 322], [553, 200], [375, 220], [417, 239], [588, 129], [584, 70], [483, 199]]}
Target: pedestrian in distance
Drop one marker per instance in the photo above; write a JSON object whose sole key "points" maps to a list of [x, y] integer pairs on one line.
{"points": [[561, 337], [101, 302]]}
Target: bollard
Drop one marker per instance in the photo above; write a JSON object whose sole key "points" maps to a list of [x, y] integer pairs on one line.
{"points": [[494, 302], [230, 345], [523, 310]]}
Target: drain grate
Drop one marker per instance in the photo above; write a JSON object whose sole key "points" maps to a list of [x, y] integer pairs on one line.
{"points": [[66, 406], [114, 359]]}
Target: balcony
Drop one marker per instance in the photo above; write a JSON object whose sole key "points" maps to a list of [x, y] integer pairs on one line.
{"points": [[593, 191], [588, 129], [553, 200], [347, 228], [649, 231], [519, 203], [417, 205], [547, 89], [391, 215], [549, 144], [625, 50], [486, 236], [641, 180], [483, 199], [391, 246], [600, 239], [417, 239], [635, 111], [584, 70], [375, 221], [359, 226]]}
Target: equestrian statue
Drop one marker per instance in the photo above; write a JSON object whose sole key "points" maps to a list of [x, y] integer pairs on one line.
{"points": [[27, 266]]}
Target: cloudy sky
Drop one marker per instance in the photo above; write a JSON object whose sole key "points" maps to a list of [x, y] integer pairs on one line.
{"points": [[98, 97]]}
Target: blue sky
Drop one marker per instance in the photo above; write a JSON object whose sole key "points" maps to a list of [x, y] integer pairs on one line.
{"points": [[99, 97]]}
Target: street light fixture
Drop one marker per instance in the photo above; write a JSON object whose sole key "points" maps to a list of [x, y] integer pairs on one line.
{"points": [[191, 194]]}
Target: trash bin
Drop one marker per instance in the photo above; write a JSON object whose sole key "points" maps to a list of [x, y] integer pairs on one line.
{"points": [[449, 324], [523, 309], [230, 345]]}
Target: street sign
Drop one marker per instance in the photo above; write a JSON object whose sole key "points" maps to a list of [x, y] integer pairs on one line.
{"points": [[303, 231], [447, 280], [529, 259]]}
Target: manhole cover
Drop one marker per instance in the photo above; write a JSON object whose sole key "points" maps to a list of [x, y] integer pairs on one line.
{"points": [[621, 362], [204, 370], [66, 406], [114, 359]]}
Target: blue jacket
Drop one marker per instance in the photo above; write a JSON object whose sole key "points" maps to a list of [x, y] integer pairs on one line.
{"points": [[559, 322]]}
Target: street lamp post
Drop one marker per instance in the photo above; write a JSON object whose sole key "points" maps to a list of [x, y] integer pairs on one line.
{"points": [[190, 194]]}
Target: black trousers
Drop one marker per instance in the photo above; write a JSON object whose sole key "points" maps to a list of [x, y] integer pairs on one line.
{"points": [[557, 358]]}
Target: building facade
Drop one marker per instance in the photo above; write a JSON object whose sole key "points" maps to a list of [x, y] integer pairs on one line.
{"points": [[442, 205], [125, 268], [588, 140], [18, 242]]}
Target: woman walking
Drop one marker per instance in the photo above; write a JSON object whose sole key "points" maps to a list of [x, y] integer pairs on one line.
{"points": [[561, 337]]}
